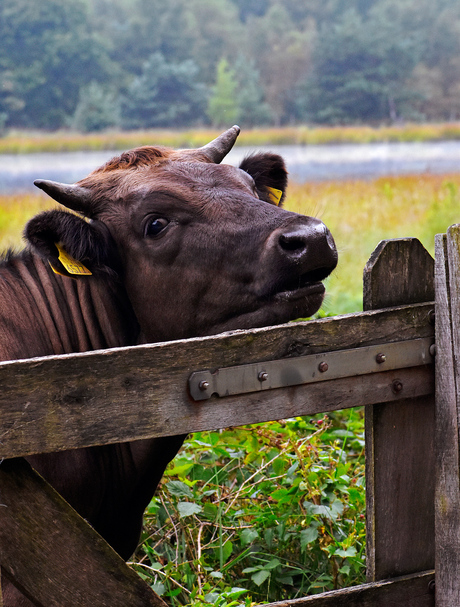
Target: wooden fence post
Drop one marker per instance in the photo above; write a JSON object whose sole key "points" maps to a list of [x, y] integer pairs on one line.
{"points": [[399, 435], [447, 503], [53, 556]]}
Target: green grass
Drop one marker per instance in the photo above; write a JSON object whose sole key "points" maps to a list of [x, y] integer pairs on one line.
{"points": [[15, 211], [21, 142], [276, 511], [361, 213]]}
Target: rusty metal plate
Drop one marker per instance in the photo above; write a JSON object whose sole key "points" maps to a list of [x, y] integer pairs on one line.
{"points": [[285, 372]]}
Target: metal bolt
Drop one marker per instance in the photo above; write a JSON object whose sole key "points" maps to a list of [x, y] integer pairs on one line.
{"points": [[263, 376], [431, 586], [431, 317], [397, 386], [323, 367], [380, 358], [203, 385], [433, 349]]}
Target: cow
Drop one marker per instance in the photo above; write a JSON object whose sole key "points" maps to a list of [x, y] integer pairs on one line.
{"points": [[157, 244]]}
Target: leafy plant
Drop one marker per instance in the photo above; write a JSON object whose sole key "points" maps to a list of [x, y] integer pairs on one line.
{"points": [[259, 513]]}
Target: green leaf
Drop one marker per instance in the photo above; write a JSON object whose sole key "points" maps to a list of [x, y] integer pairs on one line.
{"points": [[179, 489], [272, 564], [247, 536], [188, 508], [280, 494], [292, 469], [336, 508], [260, 577], [250, 569], [216, 574], [210, 511], [351, 551], [236, 592], [268, 536], [355, 495], [285, 580], [158, 588], [227, 549], [314, 509], [212, 598], [278, 466], [180, 469], [307, 536]]}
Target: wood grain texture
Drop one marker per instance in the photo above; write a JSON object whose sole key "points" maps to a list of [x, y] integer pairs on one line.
{"points": [[53, 556], [399, 436], [399, 271], [95, 398], [447, 502], [412, 591]]}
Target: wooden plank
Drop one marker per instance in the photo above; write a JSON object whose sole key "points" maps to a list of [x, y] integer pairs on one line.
{"points": [[447, 502], [399, 271], [411, 591], [399, 435], [53, 556], [79, 400]]}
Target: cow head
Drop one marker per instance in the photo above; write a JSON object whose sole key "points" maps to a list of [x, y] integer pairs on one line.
{"points": [[199, 246]]}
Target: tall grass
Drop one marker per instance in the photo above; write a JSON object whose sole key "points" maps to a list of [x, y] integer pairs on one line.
{"points": [[361, 213], [15, 211], [276, 511], [17, 142]]}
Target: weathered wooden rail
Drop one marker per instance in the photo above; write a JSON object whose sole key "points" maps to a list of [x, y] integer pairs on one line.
{"points": [[96, 398]]}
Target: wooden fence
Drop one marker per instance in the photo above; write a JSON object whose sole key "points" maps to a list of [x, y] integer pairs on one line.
{"points": [[79, 400]]}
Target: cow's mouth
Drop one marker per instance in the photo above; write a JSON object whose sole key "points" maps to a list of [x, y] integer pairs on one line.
{"points": [[301, 286], [289, 299]]}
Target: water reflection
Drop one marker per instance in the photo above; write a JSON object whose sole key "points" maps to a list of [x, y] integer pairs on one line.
{"points": [[305, 163]]}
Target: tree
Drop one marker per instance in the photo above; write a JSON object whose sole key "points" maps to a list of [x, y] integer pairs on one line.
{"points": [[47, 52], [251, 7], [98, 108], [167, 93], [283, 57], [252, 108], [137, 29], [218, 33], [436, 79], [360, 70], [223, 106]]}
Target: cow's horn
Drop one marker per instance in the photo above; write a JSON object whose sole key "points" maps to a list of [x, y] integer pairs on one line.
{"points": [[217, 149], [71, 196]]}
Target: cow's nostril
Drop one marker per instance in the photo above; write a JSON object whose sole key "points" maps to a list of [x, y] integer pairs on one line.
{"points": [[292, 242], [308, 249]]}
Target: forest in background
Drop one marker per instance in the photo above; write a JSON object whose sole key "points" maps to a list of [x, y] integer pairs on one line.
{"points": [[133, 64]]}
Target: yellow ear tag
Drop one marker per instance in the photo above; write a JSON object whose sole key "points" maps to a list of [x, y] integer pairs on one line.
{"points": [[70, 264], [274, 195]]}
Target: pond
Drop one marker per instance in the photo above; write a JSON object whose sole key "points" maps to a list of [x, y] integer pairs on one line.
{"points": [[305, 163]]}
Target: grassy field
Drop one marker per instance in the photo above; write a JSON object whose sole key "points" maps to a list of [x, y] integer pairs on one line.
{"points": [[20, 142], [276, 511], [361, 213]]}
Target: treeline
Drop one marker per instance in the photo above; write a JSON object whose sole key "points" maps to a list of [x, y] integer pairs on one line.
{"points": [[96, 64]]}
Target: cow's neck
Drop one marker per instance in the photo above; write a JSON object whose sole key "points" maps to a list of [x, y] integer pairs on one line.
{"points": [[43, 313]]}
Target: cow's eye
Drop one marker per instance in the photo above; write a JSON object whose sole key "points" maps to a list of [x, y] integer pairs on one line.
{"points": [[155, 226]]}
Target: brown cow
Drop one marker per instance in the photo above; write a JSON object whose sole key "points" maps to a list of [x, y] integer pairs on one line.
{"points": [[163, 245]]}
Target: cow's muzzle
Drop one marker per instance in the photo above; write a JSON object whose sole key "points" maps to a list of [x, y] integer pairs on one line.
{"points": [[305, 253]]}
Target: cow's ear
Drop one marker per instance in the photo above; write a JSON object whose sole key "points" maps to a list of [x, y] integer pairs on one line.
{"points": [[270, 175], [72, 245]]}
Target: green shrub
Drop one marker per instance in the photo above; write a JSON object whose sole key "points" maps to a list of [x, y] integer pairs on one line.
{"points": [[259, 513]]}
